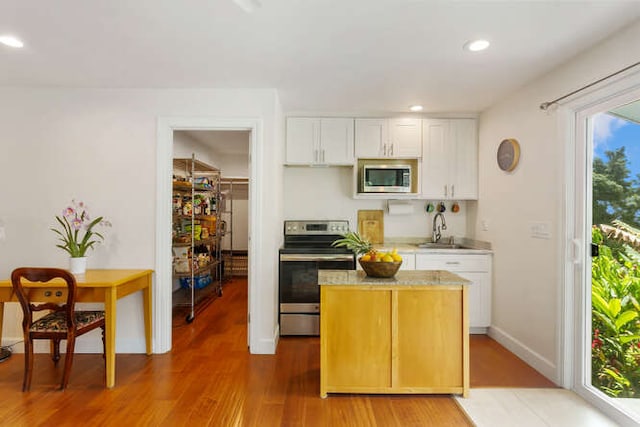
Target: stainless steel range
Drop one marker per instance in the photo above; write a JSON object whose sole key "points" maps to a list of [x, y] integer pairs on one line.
{"points": [[307, 249]]}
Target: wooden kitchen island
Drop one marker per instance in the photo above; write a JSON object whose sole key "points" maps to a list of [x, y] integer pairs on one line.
{"points": [[407, 334]]}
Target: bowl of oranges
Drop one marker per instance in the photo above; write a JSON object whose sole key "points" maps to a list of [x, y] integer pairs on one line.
{"points": [[380, 264]]}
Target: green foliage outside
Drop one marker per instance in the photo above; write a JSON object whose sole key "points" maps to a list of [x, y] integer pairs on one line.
{"points": [[615, 291], [615, 346]]}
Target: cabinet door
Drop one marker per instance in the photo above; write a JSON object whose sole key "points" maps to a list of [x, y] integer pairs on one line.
{"points": [[405, 137], [408, 260], [435, 159], [464, 144], [303, 137], [371, 138], [336, 141], [479, 298], [359, 351], [429, 339], [475, 268]]}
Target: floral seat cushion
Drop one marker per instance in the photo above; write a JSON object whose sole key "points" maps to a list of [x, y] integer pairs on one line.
{"points": [[56, 322]]}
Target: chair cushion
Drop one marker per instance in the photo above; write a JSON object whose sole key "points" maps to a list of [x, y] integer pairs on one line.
{"points": [[56, 322]]}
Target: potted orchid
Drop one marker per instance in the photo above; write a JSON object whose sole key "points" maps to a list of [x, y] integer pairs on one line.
{"points": [[78, 234]]}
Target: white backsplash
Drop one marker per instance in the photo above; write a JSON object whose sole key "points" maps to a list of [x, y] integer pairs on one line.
{"points": [[326, 193]]}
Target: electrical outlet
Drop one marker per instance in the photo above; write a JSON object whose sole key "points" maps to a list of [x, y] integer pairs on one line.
{"points": [[540, 230], [3, 235], [485, 225]]}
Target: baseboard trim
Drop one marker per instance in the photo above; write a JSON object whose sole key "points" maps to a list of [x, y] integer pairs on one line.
{"points": [[532, 358]]}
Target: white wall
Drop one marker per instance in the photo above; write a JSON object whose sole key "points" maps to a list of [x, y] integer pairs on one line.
{"points": [[184, 146], [100, 146], [234, 165], [327, 193], [527, 271]]}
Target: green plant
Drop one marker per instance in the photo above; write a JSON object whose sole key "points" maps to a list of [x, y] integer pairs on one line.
{"points": [[354, 242], [615, 291], [78, 232]]}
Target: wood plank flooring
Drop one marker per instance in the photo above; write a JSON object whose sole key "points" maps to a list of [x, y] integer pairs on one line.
{"points": [[209, 378]]}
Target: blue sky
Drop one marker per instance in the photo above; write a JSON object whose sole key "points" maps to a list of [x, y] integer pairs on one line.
{"points": [[610, 133]]}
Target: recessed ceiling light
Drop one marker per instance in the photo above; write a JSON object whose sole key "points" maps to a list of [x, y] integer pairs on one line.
{"points": [[415, 108], [11, 41], [476, 45]]}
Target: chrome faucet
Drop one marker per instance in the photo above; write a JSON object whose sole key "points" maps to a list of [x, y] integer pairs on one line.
{"points": [[436, 230]]}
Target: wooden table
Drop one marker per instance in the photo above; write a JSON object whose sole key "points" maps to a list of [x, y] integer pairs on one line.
{"points": [[104, 286]]}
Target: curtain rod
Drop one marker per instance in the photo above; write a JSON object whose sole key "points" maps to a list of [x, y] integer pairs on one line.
{"points": [[545, 105]]}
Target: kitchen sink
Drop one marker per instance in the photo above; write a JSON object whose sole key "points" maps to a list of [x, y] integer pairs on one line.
{"points": [[431, 245]]}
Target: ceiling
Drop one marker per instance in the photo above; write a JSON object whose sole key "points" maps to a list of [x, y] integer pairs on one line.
{"points": [[335, 56]]}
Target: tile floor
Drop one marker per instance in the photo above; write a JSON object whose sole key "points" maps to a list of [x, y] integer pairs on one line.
{"points": [[529, 407]]}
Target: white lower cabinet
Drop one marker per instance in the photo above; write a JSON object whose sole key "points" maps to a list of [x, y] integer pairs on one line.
{"points": [[408, 260], [473, 267]]}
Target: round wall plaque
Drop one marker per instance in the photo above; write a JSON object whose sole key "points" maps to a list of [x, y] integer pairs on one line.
{"points": [[508, 154]]}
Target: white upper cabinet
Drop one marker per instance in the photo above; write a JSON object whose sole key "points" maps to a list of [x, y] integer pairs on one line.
{"points": [[405, 137], [388, 138], [372, 138], [319, 141], [450, 159]]}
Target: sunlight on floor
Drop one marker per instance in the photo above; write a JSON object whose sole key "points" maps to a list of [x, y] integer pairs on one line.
{"points": [[498, 407]]}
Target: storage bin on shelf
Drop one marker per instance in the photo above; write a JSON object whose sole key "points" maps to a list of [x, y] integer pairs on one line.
{"points": [[201, 281]]}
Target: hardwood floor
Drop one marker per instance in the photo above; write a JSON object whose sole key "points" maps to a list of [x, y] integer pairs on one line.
{"points": [[209, 378]]}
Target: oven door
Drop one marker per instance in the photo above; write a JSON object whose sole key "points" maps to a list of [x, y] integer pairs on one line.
{"points": [[299, 290], [299, 275]]}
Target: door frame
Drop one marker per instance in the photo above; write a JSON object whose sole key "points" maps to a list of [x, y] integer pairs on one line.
{"points": [[575, 302], [162, 292]]}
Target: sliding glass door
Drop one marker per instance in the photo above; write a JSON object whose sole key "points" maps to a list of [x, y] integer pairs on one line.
{"points": [[607, 257]]}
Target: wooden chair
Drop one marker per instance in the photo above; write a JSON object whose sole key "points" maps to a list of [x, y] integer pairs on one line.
{"points": [[62, 322]]}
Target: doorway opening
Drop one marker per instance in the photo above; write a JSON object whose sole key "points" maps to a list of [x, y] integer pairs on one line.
{"points": [[219, 210], [162, 295]]}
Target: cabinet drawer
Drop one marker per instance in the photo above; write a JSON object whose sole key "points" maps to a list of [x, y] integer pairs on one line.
{"points": [[453, 263]]}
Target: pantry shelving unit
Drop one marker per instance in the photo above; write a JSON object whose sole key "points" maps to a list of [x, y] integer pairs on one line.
{"points": [[197, 234], [232, 189]]}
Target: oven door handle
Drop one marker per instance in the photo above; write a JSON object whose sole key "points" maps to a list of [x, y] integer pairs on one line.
{"points": [[315, 257]]}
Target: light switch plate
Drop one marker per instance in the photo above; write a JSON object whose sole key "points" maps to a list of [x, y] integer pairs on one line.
{"points": [[540, 230]]}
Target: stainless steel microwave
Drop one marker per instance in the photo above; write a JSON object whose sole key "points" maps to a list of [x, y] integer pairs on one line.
{"points": [[380, 178]]}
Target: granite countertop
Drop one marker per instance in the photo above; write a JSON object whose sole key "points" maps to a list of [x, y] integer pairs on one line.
{"points": [[402, 277]]}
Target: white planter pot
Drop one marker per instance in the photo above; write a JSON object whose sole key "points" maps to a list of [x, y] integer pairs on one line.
{"points": [[78, 265]]}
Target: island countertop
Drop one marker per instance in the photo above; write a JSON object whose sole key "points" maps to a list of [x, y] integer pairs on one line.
{"points": [[402, 277]]}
